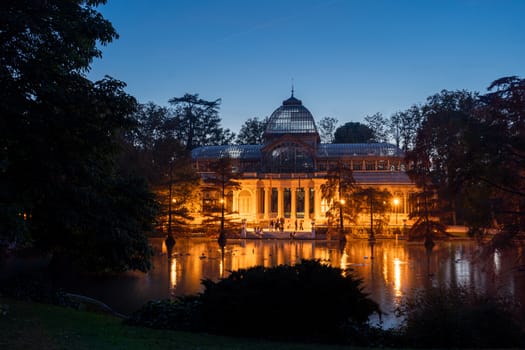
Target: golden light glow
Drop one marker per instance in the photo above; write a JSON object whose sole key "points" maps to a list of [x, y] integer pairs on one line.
{"points": [[397, 278], [173, 274], [342, 201], [396, 201]]}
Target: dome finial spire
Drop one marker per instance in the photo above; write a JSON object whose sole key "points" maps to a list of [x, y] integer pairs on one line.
{"points": [[292, 87]]}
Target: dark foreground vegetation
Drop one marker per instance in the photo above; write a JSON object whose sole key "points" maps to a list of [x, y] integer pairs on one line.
{"points": [[283, 306], [311, 302], [29, 325]]}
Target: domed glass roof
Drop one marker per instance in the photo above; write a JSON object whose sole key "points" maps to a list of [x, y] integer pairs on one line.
{"points": [[291, 118]]}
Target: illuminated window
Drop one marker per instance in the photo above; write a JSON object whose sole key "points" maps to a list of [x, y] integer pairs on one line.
{"points": [[287, 203], [299, 203], [274, 200]]}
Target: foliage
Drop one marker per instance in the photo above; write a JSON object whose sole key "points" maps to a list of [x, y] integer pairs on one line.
{"points": [[376, 203], [494, 186], [152, 151], [327, 126], [459, 317], [251, 132], [404, 126], [440, 147], [378, 124], [272, 302], [181, 314], [468, 159], [340, 185], [196, 122], [41, 326], [353, 132], [220, 181], [59, 186]]}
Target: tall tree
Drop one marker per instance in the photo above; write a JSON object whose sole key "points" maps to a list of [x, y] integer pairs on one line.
{"points": [[337, 191], [494, 170], [251, 132], [441, 139], [155, 154], [59, 185], [376, 203], [221, 180], [327, 126], [353, 132], [378, 124], [196, 122]]}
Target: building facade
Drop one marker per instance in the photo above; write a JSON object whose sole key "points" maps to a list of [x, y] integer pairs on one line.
{"points": [[281, 179]]}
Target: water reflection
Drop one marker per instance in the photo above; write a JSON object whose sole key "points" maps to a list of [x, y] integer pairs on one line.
{"points": [[390, 269]]}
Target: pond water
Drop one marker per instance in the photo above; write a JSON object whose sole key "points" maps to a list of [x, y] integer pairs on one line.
{"points": [[390, 269]]}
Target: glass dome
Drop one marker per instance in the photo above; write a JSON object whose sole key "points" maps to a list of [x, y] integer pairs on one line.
{"points": [[290, 118]]}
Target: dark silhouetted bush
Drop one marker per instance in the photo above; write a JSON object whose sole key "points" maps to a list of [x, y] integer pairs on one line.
{"points": [[459, 317], [306, 301], [180, 314]]}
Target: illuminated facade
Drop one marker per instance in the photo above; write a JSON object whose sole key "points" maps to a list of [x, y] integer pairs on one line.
{"points": [[282, 177]]}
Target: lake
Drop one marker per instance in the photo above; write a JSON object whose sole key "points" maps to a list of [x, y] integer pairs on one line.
{"points": [[390, 269]]}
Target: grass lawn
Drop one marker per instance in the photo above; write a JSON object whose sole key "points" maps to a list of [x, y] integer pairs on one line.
{"points": [[41, 326]]}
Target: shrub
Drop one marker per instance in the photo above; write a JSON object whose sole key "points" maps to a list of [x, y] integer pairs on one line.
{"points": [[307, 301], [459, 317], [168, 314]]}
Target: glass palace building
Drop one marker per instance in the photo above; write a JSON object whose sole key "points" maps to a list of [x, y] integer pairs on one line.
{"points": [[282, 177]]}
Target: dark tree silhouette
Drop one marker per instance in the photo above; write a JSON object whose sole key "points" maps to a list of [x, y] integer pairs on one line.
{"points": [[251, 132], [327, 126], [352, 132], [60, 187], [337, 191], [196, 122]]}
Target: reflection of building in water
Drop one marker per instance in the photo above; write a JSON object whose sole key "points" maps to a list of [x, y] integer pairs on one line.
{"points": [[282, 177]]}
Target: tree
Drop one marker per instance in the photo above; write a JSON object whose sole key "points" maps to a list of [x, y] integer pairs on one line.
{"points": [[376, 202], [494, 186], [353, 132], [441, 138], [378, 124], [221, 180], [404, 126], [327, 127], [156, 155], [251, 132], [196, 122], [337, 191], [60, 188]]}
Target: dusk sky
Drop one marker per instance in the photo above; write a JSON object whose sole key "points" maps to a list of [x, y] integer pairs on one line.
{"points": [[347, 59]]}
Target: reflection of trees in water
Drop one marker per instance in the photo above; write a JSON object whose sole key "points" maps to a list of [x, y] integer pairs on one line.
{"points": [[396, 270]]}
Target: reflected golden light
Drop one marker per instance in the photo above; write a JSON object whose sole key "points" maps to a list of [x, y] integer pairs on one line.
{"points": [[173, 274], [397, 278], [221, 268], [497, 261], [342, 201], [344, 263]]}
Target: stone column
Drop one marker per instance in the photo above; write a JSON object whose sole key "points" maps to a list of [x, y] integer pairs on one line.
{"points": [[293, 199], [317, 202], [306, 205], [280, 202], [267, 194]]}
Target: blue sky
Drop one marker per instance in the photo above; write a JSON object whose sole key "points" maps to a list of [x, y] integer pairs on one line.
{"points": [[347, 58]]}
